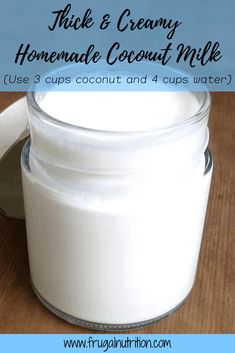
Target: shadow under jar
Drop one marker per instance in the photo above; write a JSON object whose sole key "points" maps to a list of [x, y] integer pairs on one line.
{"points": [[115, 218]]}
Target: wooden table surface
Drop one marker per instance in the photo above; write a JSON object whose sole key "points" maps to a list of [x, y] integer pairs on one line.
{"points": [[211, 305]]}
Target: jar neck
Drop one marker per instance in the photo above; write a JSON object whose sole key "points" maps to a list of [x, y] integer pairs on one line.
{"points": [[170, 153], [57, 145], [162, 169]]}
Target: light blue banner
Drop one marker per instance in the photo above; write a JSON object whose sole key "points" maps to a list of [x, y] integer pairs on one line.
{"points": [[116, 343], [185, 44]]}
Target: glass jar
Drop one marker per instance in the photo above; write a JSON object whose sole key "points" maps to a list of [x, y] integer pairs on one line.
{"points": [[115, 219]]}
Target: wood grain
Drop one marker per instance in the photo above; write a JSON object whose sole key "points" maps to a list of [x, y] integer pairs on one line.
{"points": [[211, 305]]}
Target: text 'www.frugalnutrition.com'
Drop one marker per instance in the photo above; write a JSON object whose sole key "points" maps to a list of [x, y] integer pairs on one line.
{"points": [[112, 343]]}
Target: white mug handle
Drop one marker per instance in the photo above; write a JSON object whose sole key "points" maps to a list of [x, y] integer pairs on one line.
{"points": [[13, 129], [13, 125]]}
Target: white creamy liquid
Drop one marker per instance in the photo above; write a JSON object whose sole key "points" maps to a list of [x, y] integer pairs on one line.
{"points": [[119, 111], [114, 248]]}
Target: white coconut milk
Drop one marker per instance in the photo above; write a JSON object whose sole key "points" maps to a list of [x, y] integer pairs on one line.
{"points": [[115, 216]]}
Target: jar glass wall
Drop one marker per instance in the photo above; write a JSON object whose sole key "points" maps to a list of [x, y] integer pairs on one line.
{"points": [[115, 218]]}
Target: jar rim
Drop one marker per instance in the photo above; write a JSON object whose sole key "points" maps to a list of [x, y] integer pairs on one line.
{"points": [[193, 119]]}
